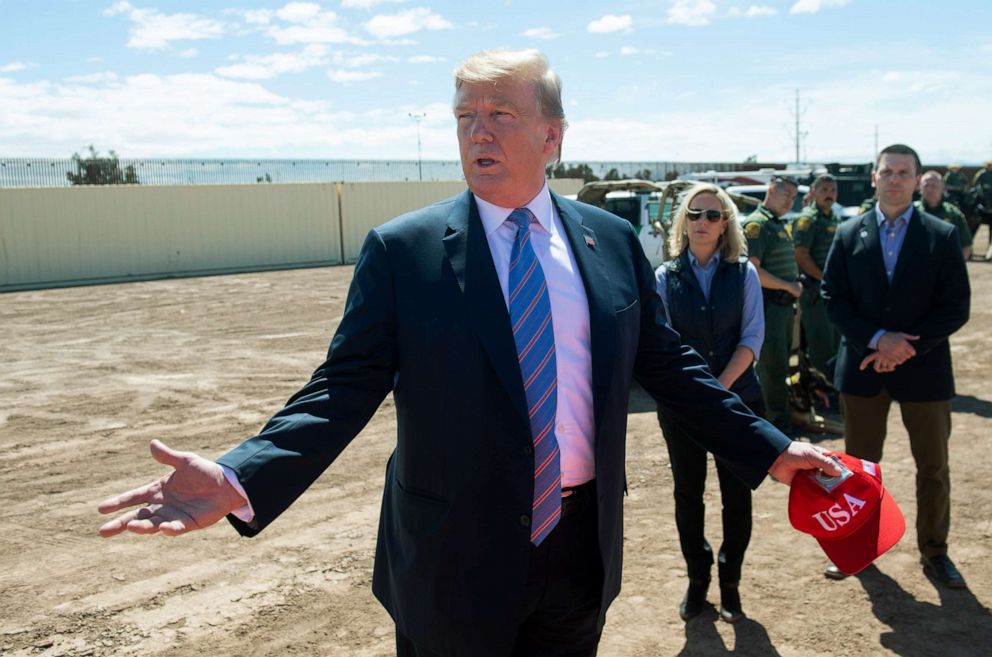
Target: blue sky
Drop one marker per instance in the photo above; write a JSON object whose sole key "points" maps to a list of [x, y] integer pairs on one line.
{"points": [[695, 80]]}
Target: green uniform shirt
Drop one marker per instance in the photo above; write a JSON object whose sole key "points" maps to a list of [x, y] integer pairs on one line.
{"points": [[815, 231], [983, 180], [955, 181], [769, 240], [949, 213]]}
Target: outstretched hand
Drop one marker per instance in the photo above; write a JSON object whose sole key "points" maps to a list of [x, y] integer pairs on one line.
{"points": [[193, 496], [801, 456]]}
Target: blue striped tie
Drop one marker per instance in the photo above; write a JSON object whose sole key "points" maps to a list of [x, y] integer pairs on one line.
{"points": [[530, 313]]}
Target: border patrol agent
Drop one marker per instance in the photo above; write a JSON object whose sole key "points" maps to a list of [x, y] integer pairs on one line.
{"points": [[771, 251], [955, 184], [813, 233], [932, 191]]}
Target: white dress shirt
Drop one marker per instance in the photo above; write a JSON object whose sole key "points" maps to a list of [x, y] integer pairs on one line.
{"points": [[574, 424]]}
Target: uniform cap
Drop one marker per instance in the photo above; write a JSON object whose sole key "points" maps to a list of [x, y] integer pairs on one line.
{"points": [[852, 516]]}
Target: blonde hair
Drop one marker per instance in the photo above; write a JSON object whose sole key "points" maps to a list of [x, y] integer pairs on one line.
{"points": [[529, 66], [731, 244]]}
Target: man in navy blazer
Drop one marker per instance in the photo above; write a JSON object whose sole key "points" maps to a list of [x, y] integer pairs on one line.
{"points": [[428, 318], [896, 285]]}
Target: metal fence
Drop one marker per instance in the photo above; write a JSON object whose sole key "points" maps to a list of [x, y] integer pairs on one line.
{"points": [[37, 172]]}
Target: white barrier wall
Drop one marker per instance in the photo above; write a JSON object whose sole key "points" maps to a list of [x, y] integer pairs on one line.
{"points": [[74, 236]]}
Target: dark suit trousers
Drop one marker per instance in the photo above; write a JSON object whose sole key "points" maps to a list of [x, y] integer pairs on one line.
{"points": [[929, 427], [689, 477], [560, 604]]}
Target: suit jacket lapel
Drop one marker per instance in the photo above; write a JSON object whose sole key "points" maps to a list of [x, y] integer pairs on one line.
{"points": [[582, 241], [873, 245], [472, 263]]}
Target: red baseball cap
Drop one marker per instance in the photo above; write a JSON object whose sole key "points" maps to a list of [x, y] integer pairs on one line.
{"points": [[852, 516]]}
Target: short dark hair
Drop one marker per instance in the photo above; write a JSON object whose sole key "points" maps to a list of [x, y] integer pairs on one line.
{"points": [[822, 178], [779, 179], [900, 149]]}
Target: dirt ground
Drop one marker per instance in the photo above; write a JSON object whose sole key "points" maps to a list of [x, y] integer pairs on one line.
{"points": [[91, 374]]}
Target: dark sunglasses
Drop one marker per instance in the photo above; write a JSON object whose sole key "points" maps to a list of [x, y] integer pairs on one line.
{"points": [[712, 216]]}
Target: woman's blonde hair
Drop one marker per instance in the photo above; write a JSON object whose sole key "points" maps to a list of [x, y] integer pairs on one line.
{"points": [[731, 244]]}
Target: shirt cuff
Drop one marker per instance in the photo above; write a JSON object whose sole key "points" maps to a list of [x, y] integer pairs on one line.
{"points": [[873, 343], [753, 344], [244, 513]]}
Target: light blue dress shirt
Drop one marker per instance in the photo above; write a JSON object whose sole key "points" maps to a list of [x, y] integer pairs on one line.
{"points": [[891, 237], [753, 314]]}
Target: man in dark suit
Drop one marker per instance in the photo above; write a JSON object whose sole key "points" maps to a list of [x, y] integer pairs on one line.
{"points": [[508, 323], [896, 285]]}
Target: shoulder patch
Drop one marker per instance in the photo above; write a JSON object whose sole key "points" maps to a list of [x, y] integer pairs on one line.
{"points": [[832, 228], [803, 223], [752, 230]]}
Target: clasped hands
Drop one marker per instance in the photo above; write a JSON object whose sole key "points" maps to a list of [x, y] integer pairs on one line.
{"points": [[892, 350]]}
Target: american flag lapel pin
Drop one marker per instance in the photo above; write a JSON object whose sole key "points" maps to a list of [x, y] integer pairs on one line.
{"points": [[590, 242]]}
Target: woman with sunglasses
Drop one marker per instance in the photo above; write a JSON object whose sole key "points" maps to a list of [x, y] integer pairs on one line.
{"points": [[712, 297]]}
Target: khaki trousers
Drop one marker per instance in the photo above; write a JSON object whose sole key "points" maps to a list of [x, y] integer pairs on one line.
{"points": [[929, 427]]}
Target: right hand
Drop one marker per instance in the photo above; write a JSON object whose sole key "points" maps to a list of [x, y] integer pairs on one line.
{"points": [[896, 346], [194, 496], [795, 288]]}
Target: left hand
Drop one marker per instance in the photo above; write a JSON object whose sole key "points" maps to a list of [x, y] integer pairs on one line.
{"points": [[879, 363], [801, 456]]}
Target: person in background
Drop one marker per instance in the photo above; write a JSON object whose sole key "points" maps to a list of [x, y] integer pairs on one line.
{"points": [[771, 251], [813, 233], [897, 287], [712, 297], [955, 184], [932, 202]]}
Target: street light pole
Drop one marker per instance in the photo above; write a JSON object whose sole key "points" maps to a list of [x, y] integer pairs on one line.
{"points": [[417, 118]]}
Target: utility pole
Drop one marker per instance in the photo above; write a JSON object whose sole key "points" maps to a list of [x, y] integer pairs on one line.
{"points": [[417, 117], [797, 134]]}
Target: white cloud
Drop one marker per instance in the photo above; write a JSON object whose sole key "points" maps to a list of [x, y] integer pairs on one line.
{"points": [[752, 11], [813, 6], [189, 53], [600, 54], [308, 24], [424, 59], [611, 23], [257, 16], [207, 116], [352, 76], [260, 67], [543, 33], [691, 12], [301, 12], [385, 26], [93, 78], [366, 4], [14, 67], [633, 50], [153, 30]]}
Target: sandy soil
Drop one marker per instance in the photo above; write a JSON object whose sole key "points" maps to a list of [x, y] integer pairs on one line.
{"points": [[91, 374]]}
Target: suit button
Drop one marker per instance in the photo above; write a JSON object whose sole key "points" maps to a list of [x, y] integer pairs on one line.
{"points": [[888, 308], [525, 521], [528, 449]]}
